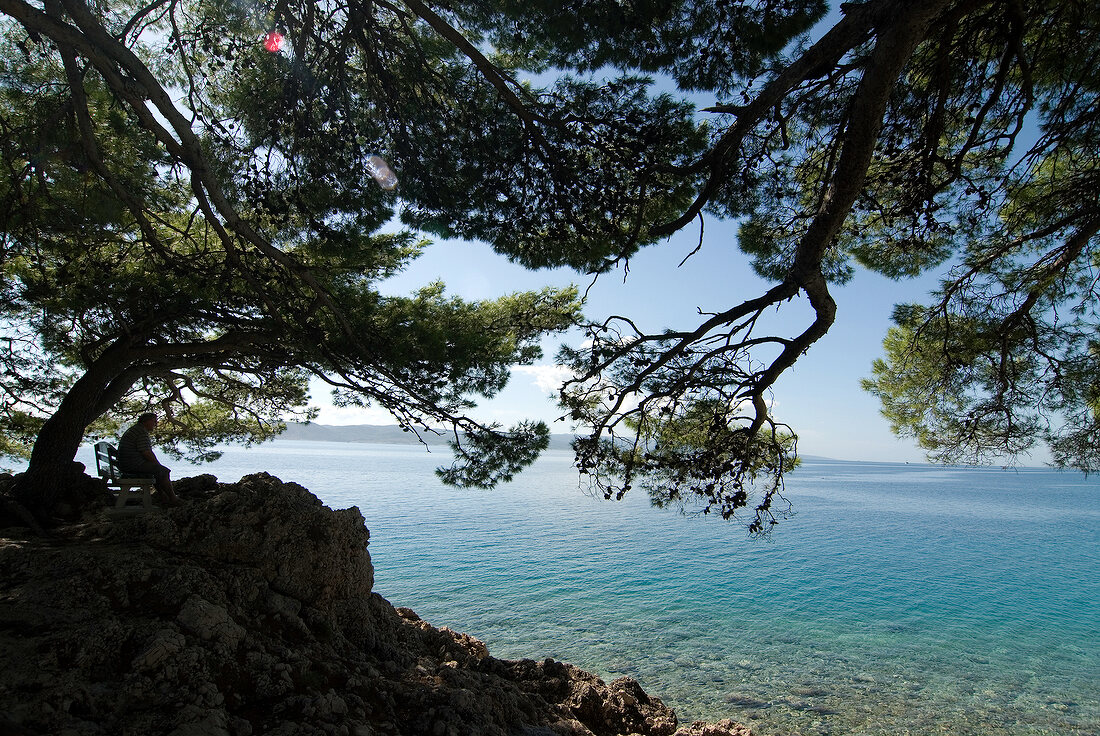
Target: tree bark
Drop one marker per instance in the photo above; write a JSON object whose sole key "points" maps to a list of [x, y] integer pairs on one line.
{"points": [[52, 483]]}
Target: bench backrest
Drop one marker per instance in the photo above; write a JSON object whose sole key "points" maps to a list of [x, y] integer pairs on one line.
{"points": [[106, 461]]}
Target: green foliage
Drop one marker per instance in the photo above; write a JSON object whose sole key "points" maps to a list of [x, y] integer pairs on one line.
{"points": [[131, 282], [151, 255], [938, 385], [1003, 358], [477, 453], [705, 456], [20, 430], [701, 45], [988, 381], [583, 193], [688, 434]]}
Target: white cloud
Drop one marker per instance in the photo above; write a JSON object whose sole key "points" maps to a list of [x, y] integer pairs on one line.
{"points": [[548, 378], [344, 415]]}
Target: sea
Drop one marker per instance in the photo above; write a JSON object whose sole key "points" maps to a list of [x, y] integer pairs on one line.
{"points": [[897, 599]]}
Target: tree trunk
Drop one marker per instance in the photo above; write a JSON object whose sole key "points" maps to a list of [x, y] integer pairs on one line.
{"points": [[48, 488], [53, 484]]}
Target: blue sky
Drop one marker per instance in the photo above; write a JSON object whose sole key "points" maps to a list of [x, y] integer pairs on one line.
{"points": [[820, 397]]}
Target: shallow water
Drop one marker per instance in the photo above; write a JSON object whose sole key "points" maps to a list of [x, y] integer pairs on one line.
{"points": [[900, 599]]}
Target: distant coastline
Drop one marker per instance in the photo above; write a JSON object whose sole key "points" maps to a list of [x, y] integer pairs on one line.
{"points": [[384, 434], [391, 434]]}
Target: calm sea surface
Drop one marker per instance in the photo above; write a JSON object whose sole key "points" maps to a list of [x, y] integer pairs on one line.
{"points": [[900, 599]]}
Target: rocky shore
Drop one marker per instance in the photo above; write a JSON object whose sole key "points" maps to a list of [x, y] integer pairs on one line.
{"points": [[249, 610]]}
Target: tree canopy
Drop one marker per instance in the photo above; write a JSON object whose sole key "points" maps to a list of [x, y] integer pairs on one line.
{"points": [[209, 265], [957, 137]]}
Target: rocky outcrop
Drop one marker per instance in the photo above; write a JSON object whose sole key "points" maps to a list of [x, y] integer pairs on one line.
{"points": [[249, 611]]}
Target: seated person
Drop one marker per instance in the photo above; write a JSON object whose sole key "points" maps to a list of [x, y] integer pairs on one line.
{"points": [[136, 458]]}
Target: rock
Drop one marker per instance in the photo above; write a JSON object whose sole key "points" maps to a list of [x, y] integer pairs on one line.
{"points": [[249, 610], [196, 486], [303, 549], [163, 645], [722, 728], [210, 622]]}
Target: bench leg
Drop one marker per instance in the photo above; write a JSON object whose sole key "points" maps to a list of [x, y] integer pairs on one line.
{"points": [[126, 492]]}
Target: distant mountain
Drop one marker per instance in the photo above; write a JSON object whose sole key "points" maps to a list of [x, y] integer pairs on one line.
{"points": [[382, 434], [391, 434]]}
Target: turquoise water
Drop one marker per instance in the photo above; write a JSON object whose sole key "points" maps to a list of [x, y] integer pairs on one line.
{"points": [[898, 600]]}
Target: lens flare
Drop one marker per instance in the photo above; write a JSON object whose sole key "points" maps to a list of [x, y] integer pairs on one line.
{"points": [[381, 172], [273, 41]]}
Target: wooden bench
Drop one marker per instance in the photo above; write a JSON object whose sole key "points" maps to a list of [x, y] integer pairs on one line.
{"points": [[106, 463]]}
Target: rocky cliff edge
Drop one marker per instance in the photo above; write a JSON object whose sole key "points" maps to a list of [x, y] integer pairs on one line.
{"points": [[249, 611]]}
